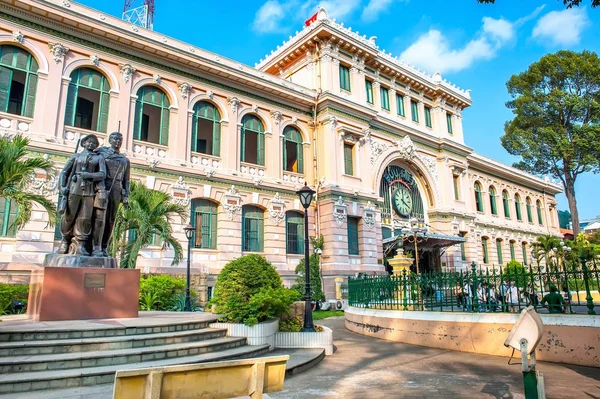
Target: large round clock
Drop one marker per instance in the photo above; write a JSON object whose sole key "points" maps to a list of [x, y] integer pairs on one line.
{"points": [[402, 201]]}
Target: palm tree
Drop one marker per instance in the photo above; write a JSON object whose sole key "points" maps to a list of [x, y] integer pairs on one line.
{"points": [[544, 247], [149, 215], [16, 167]]}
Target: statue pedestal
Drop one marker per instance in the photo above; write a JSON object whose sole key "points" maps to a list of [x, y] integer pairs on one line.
{"points": [[81, 287]]}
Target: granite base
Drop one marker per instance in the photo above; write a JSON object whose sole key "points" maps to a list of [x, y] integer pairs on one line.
{"points": [[58, 260]]}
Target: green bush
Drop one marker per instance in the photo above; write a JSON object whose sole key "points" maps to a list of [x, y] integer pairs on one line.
{"points": [[249, 290], [160, 291], [515, 271], [316, 291], [295, 325], [10, 293]]}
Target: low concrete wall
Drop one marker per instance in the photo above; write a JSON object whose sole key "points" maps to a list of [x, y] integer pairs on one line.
{"points": [[259, 334], [572, 339]]}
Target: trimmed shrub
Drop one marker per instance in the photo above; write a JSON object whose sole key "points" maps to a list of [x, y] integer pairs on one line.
{"points": [[161, 292], [249, 290], [316, 292], [515, 271], [10, 293]]}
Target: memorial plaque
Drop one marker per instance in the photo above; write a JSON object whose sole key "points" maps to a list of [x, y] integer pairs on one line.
{"points": [[94, 280]]}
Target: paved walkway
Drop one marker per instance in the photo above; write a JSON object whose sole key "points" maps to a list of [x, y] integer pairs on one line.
{"points": [[364, 367]]}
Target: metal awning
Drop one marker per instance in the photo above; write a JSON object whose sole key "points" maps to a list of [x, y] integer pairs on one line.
{"points": [[427, 241]]}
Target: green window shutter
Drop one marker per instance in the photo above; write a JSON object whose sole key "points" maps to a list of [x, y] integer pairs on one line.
{"points": [[414, 108], [529, 214], [463, 252], [512, 250], [5, 82], [164, 129], [485, 250], [194, 132], [524, 249], [499, 249], [71, 104], [456, 191], [137, 119], [8, 214], [539, 215], [30, 93], [261, 149], [400, 105], [369, 90], [294, 233], [493, 201], [300, 155], [428, 117], [449, 122], [518, 208], [348, 161], [103, 116], [216, 139], [385, 98], [344, 77], [243, 144], [260, 235], [506, 205], [478, 199], [353, 236]]}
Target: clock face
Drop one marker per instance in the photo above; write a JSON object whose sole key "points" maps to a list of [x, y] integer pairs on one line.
{"points": [[402, 201]]}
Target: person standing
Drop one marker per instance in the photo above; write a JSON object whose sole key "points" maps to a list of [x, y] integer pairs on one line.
{"points": [[468, 296], [503, 291], [553, 301], [493, 298], [116, 183], [81, 183], [512, 297]]}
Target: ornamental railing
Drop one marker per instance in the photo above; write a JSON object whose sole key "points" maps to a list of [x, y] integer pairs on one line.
{"points": [[482, 290]]}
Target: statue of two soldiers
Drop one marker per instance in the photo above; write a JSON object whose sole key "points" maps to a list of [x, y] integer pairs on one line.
{"points": [[93, 183]]}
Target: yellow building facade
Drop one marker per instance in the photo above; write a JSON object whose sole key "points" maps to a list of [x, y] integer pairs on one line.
{"points": [[381, 142]]}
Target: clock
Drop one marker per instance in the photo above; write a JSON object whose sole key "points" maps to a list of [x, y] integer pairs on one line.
{"points": [[402, 201]]}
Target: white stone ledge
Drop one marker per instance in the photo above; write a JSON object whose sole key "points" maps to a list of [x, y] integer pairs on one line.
{"points": [[322, 339], [465, 317]]}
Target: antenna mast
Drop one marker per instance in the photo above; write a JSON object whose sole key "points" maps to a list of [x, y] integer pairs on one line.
{"points": [[139, 12]]}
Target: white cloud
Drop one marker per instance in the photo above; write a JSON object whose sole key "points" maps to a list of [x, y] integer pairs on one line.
{"points": [[374, 8], [562, 28], [432, 52], [268, 17], [499, 29], [276, 16]]}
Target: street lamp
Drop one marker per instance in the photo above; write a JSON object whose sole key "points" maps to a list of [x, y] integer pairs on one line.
{"points": [[189, 233], [306, 195], [411, 234]]}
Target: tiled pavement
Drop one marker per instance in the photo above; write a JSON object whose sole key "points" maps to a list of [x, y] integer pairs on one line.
{"points": [[365, 367]]}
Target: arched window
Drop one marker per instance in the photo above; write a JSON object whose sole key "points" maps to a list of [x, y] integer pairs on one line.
{"points": [[538, 205], [87, 100], [294, 226], [512, 250], [492, 191], [293, 152], [18, 81], [484, 249], [518, 207], [204, 217], [253, 140], [529, 212], [478, 198], [252, 229], [8, 213], [499, 251], [505, 204], [206, 129], [151, 119]]}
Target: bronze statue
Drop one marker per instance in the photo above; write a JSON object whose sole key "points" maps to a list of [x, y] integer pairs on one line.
{"points": [[84, 200], [116, 184]]}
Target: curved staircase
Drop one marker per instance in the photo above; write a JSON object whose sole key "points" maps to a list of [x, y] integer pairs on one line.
{"points": [[57, 355]]}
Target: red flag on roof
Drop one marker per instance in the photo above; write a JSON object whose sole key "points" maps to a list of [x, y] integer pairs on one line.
{"points": [[311, 19]]}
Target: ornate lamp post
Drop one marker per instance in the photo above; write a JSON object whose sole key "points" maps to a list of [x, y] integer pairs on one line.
{"points": [[412, 236], [189, 234], [306, 196]]}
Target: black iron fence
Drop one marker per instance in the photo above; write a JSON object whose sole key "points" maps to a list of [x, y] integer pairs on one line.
{"points": [[554, 290]]}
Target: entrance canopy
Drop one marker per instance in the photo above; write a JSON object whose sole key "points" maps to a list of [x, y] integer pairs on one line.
{"points": [[425, 241]]}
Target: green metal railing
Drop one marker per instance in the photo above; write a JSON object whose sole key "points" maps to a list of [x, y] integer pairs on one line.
{"points": [[483, 290]]}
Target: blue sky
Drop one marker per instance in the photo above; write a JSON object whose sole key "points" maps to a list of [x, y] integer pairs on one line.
{"points": [[475, 46]]}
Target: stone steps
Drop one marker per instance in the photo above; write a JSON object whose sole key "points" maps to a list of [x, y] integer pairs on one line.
{"points": [[96, 332], [89, 376], [46, 347], [63, 361]]}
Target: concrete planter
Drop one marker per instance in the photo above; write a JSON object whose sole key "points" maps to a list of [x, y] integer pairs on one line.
{"points": [[306, 340], [259, 334]]}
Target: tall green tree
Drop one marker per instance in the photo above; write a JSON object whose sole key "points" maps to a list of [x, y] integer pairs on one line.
{"points": [[567, 3], [148, 217], [17, 165], [556, 129]]}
